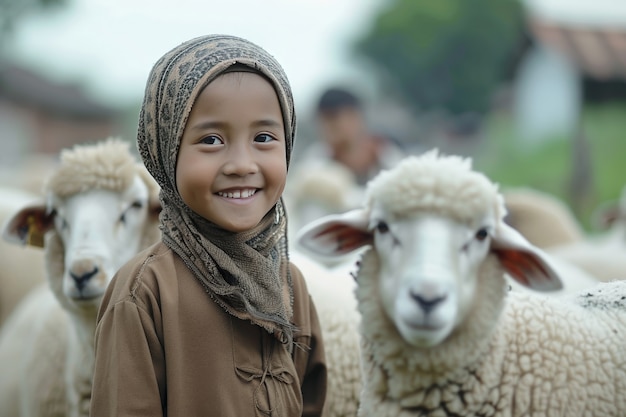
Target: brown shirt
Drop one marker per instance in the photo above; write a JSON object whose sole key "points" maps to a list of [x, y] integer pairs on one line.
{"points": [[164, 348]]}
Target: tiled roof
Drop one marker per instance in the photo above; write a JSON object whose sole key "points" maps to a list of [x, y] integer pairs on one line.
{"points": [[599, 53], [590, 33]]}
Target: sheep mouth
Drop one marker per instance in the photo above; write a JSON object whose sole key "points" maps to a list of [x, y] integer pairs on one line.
{"points": [[423, 325], [79, 300], [85, 297]]}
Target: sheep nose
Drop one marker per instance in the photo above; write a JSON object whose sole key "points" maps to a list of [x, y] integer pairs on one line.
{"points": [[427, 304], [81, 280]]}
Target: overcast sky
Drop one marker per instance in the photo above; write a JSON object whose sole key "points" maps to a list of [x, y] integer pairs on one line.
{"points": [[581, 12], [110, 45]]}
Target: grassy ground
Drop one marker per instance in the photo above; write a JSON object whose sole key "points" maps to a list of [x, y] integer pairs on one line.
{"points": [[548, 166]]}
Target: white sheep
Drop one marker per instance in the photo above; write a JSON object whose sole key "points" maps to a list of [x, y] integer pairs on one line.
{"points": [[332, 291], [102, 208], [315, 189], [318, 188], [441, 335], [602, 255], [542, 218], [22, 267]]}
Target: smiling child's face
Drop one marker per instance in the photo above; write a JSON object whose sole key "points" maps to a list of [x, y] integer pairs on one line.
{"points": [[232, 165]]}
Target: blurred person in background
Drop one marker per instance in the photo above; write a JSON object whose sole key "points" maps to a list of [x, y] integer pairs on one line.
{"points": [[348, 139]]}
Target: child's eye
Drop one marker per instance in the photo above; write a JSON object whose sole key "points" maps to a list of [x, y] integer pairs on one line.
{"points": [[264, 138], [211, 140]]}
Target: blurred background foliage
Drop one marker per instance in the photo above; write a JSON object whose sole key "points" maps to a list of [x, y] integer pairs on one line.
{"points": [[551, 165], [448, 54], [455, 57], [12, 11]]}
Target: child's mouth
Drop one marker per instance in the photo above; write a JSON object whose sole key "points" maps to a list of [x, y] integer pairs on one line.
{"points": [[245, 193]]}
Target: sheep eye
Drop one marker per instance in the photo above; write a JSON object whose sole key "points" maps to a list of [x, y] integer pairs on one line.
{"points": [[135, 205], [382, 227], [482, 234]]}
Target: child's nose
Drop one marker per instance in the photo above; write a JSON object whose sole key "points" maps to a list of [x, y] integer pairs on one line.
{"points": [[240, 161]]}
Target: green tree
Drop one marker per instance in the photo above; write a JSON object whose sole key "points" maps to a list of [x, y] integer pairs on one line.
{"points": [[444, 54]]}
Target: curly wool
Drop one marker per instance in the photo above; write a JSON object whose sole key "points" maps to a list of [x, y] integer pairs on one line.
{"points": [[515, 354], [105, 165], [108, 165], [544, 355], [443, 185], [62, 337]]}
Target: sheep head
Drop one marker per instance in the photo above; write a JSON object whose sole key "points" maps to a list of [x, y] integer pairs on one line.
{"points": [[98, 210], [432, 224]]}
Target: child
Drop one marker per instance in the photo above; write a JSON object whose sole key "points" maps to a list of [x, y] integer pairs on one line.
{"points": [[213, 320]]}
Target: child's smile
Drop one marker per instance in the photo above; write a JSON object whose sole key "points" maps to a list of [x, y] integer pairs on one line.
{"points": [[232, 163], [237, 194]]}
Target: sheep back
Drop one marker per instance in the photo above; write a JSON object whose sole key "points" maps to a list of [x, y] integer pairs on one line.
{"points": [[332, 291], [33, 346]]}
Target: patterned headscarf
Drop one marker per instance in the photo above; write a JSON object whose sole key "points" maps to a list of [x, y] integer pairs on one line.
{"points": [[245, 273]]}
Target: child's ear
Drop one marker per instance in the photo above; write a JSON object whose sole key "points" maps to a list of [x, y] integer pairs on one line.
{"points": [[28, 226], [336, 235]]}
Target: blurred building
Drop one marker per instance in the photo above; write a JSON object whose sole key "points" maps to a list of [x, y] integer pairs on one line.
{"points": [[576, 46], [40, 116]]}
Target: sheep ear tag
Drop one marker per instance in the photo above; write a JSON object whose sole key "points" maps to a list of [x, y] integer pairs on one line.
{"points": [[527, 264], [28, 226], [336, 235]]}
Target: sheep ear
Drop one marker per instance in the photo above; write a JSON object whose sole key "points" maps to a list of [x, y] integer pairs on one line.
{"points": [[526, 263], [28, 226], [336, 235]]}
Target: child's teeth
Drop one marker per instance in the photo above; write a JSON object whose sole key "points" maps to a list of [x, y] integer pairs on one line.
{"points": [[238, 194]]}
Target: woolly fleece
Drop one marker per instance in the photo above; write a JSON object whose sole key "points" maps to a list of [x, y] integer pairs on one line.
{"points": [[515, 354], [54, 337]]}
